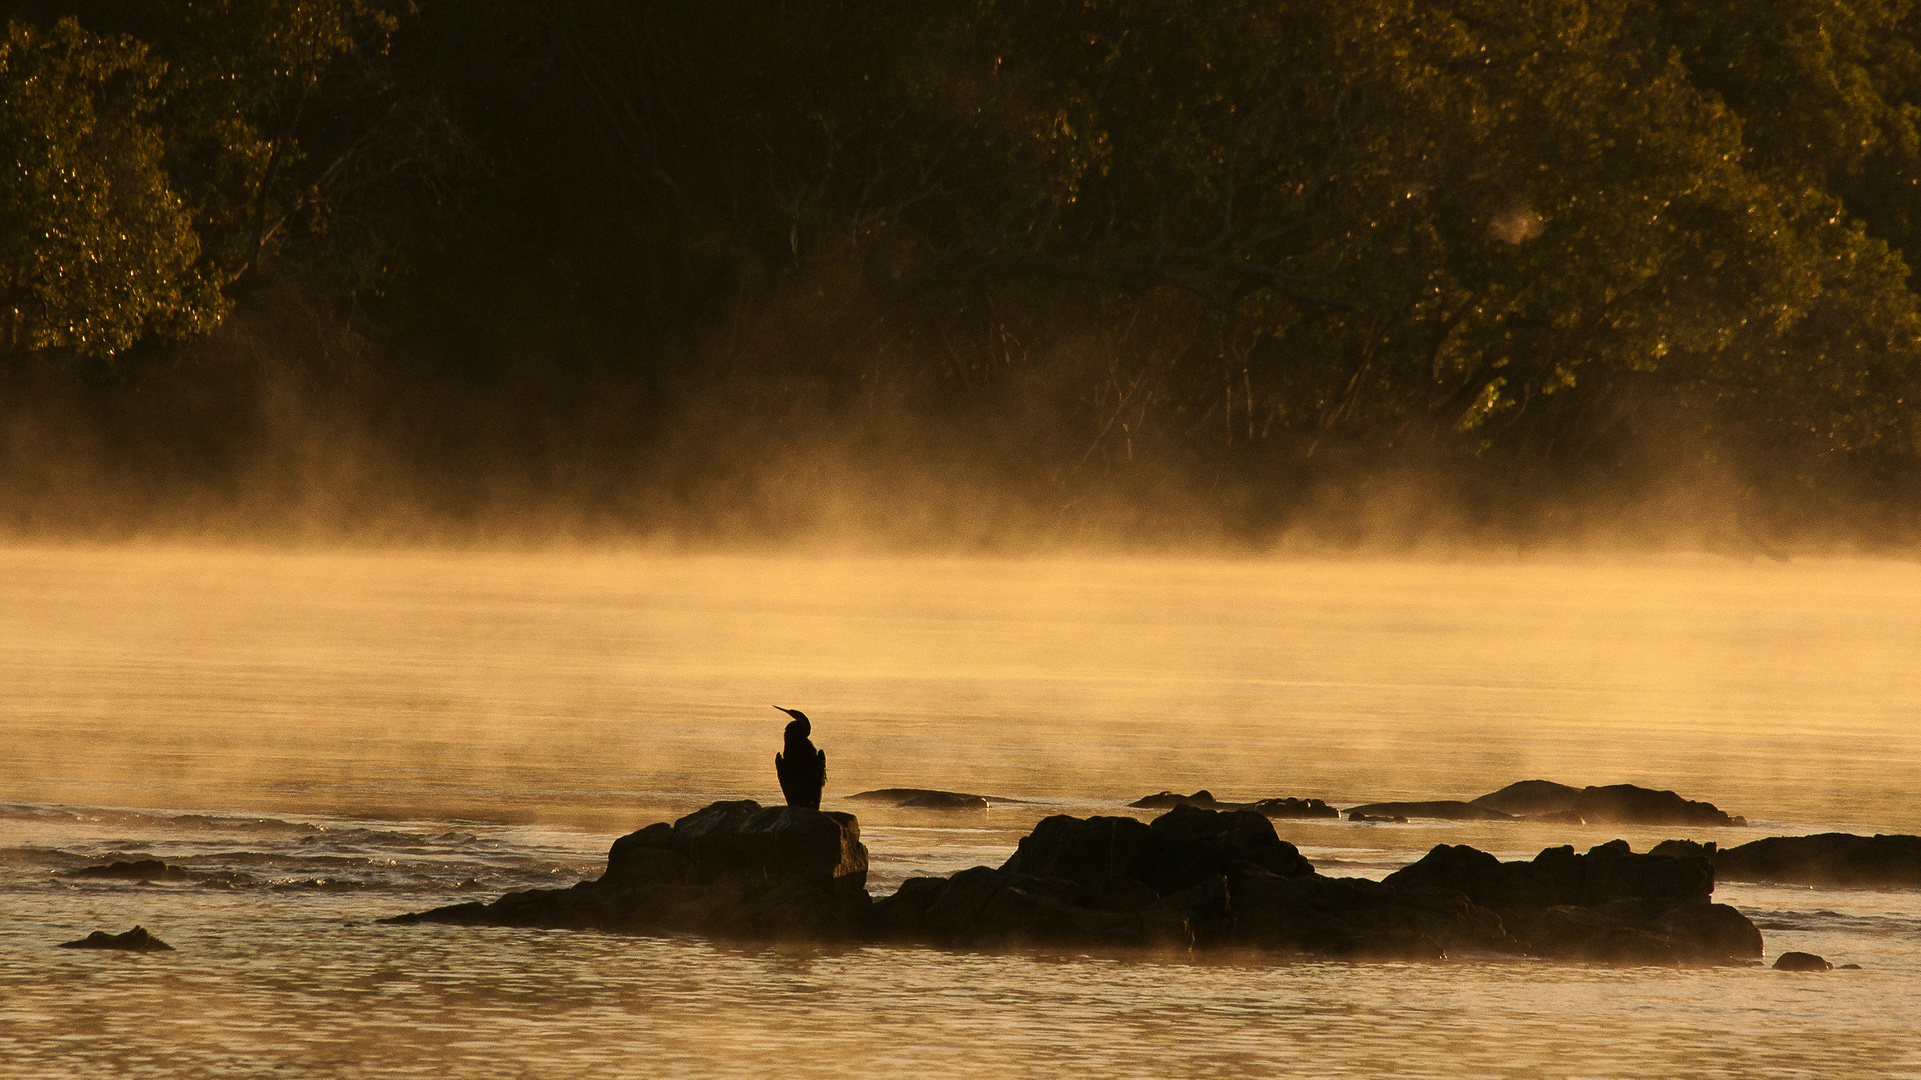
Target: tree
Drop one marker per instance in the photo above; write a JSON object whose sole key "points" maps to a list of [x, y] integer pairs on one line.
{"points": [[96, 248]]}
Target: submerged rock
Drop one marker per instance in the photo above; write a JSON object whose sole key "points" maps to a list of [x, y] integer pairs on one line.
{"points": [[134, 940], [1841, 859], [1801, 961], [135, 870], [1613, 804], [927, 799]]}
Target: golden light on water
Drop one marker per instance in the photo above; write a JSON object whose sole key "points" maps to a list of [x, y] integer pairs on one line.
{"points": [[563, 685]]}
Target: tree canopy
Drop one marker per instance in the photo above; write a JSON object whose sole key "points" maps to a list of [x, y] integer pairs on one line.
{"points": [[1216, 236]]}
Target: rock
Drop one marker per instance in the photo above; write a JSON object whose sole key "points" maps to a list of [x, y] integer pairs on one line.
{"points": [[944, 800], [1443, 809], [1101, 882], [1180, 849], [1168, 800], [1531, 797], [1280, 807], [1607, 905], [1841, 859], [1559, 877], [988, 907], [1801, 961], [732, 869], [1193, 878], [928, 799], [1625, 804], [770, 842], [1223, 841], [134, 940], [1291, 807], [1693, 849], [136, 870], [1617, 804], [1359, 919]]}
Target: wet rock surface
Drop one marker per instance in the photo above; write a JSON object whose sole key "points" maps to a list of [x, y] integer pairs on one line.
{"points": [[134, 940], [1842, 859], [1192, 879]]}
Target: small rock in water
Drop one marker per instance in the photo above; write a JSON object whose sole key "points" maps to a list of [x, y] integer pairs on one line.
{"points": [[944, 800], [1168, 800], [134, 940], [927, 799], [1801, 961], [1443, 809]]}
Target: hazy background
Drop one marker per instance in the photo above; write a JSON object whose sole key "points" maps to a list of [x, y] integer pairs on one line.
{"points": [[974, 277]]}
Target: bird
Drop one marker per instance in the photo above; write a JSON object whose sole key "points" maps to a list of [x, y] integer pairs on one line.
{"points": [[802, 769]]}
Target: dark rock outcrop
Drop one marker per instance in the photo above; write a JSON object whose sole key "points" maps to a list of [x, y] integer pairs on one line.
{"points": [[1360, 919], [1293, 808], [1529, 797], [733, 869], [1279, 807], [134, 940], [1613, 804], [1607, 905], [1102, 881], [1168, 800], [927, 799], [1182, 847], [1839, 859], [1801, 961], [1443, 809], [1192, 878]]}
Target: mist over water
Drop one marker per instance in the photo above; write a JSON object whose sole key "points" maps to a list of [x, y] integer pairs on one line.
{"points": [[333, 737]]}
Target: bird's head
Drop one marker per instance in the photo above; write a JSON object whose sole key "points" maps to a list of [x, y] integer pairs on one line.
{"points": [[800, 728]]}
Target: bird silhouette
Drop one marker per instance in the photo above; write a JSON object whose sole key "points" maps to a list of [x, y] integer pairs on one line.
{"points": [[802, 769]]}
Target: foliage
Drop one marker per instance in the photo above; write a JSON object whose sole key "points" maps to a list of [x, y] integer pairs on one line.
{"points": [[95, 246], [1230, 232]]}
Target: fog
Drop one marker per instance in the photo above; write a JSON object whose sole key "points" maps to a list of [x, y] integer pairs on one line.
{"points": [[574, 687]]}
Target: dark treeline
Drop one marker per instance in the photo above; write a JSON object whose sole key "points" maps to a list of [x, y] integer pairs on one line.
{"points": [[1495, 268]]}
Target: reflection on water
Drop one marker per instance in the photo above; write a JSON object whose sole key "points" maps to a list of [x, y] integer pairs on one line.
{"points": [[334, 738]]}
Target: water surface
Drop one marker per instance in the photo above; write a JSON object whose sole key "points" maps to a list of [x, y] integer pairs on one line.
{"points": [[338, 737]]}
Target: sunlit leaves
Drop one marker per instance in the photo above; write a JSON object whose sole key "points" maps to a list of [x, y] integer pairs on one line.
{"points": [[95, 247]]}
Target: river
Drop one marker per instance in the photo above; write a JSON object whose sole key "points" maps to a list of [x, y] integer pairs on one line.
{"points": [[327, 738]]}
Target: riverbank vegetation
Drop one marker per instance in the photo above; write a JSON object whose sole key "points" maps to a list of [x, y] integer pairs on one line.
{"points": [[1372, 270]]}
